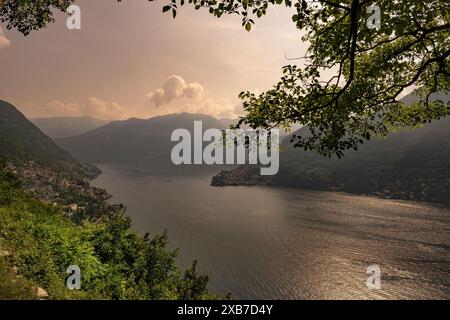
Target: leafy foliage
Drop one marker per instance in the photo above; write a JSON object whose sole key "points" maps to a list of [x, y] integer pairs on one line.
{"points": [[115, 262], [13, 287], [26, 16], [372, 69]]}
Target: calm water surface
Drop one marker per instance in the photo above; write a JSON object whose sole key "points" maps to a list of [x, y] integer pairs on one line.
{"points": [[276, 243]]}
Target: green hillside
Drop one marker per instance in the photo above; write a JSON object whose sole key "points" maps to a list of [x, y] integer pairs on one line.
{"points": [[115, 262]]}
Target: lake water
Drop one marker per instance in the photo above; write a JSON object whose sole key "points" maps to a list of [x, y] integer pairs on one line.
{"points": [[278, 243]]}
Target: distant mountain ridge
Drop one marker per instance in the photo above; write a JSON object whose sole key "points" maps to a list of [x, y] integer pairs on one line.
{"points": [[63, 127], [136, 143]]}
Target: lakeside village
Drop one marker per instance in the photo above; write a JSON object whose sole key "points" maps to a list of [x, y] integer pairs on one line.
{"points": [[73, 193]]}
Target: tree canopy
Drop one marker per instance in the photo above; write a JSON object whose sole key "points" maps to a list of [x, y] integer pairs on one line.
{"points": [[372, 66], [27, 16]]}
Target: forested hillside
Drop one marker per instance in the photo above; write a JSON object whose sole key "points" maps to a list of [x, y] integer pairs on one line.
{"points": [[38, 243], [47, 171]]}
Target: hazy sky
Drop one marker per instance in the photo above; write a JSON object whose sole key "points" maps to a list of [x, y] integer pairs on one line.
{"points": [[130, 60]]}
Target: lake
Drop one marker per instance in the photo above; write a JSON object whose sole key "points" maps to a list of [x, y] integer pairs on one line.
{"points": [[280, 243]]}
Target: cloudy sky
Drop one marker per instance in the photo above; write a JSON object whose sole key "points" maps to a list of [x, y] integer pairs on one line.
{"points": [[131, 60]]}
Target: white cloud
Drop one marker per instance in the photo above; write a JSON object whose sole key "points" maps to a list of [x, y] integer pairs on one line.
{"points": [[176, 96], [105, 110], [193, 91], [175, 87], [4, 42], [93, 107]]}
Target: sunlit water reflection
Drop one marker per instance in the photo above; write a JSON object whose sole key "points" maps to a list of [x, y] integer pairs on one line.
{"points": [[276, 243]]}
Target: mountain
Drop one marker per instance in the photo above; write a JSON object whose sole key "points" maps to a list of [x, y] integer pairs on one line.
{"points": [[228, 122], [283, 132], [136, 143], [409, 164], [45, 170], [63, 127], [22, 141]]}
